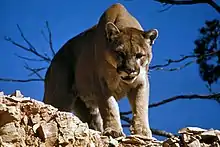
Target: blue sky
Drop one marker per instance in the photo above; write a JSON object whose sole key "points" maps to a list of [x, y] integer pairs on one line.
{"points": [[178, 28]]}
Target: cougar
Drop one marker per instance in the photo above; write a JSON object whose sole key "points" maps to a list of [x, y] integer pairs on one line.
{"points": [[98, 67]]}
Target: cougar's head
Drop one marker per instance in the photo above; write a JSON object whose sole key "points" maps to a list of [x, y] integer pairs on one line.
{"points": [[129, 50]]}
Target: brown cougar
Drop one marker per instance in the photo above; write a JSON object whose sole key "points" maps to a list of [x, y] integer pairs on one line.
{"points": [[98, 67]]}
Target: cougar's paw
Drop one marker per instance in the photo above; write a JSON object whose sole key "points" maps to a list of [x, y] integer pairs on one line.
{"points": [[112, 132], [147, 133], [141, 130], [96, 123]]}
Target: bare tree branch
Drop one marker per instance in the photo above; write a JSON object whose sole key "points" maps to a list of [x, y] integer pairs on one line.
{"points": [[192, 96], [22, 35], [154, 131], [162, 133], [50, 38], [182, 2], [28, 50], [125, 118], [19, 80], [31, 48], [170, 61], [29, 59], [183, 58], [182, 66], [214, 5], [165, 9], [37, 70], [191, 2], [176, 68], [215, 97], [34, 71]]}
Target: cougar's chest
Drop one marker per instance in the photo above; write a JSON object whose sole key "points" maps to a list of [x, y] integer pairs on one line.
{"points": [[115, 87], [120, 91]]}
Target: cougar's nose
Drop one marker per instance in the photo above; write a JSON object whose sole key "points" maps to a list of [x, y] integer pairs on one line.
{"points": [[127, 71]]}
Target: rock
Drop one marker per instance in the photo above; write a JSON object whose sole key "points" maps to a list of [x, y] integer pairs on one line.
{"points": [[198, 137], [172, 142], [17, 94], [192, 130], [1, 93], [28, 122]]}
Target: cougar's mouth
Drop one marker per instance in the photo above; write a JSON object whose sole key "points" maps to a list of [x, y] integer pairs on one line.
{"points": [[128, 79]]}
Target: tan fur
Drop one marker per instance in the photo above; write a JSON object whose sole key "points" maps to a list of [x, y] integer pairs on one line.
{"points": [[98, 67]]}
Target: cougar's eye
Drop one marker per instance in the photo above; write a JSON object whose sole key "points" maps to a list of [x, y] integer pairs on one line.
{"points": [[139, 55], [120, 54]]}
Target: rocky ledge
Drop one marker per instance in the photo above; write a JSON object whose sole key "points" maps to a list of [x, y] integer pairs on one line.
{"points": [[28, 122]]}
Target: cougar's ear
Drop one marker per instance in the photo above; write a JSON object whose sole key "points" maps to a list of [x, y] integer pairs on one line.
{"points": [[151, 35], [111, 31]]}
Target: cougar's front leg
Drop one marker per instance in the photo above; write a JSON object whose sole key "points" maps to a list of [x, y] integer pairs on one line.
{"points": [[138, 99], [111, 118]]}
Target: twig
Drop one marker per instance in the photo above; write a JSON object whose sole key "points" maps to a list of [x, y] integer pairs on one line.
{"points": [[192, 96], [214, 5], [125, 118], [191, 2], [34, 71], [28, 59], [125, 125], [50, 38], [31, 48], [170, 61], [17, 80], [165, 9], [162, 133], [176, 68], [37, 70], [182, 2], [23, 37]]}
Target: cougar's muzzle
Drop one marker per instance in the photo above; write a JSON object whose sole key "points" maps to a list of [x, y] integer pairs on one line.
{"points": [[128, 71]]}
